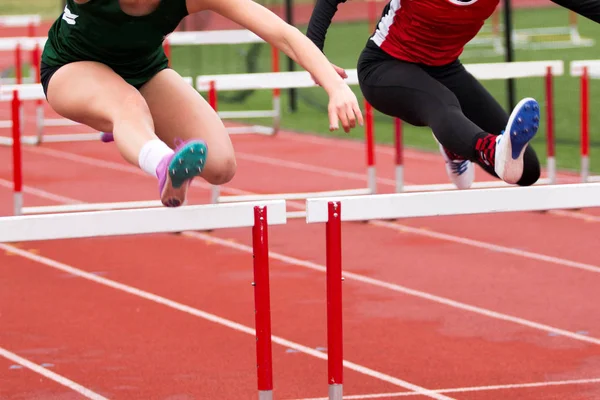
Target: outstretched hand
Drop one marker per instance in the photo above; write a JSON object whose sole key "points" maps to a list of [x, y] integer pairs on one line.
{"points": [[343, 106]]}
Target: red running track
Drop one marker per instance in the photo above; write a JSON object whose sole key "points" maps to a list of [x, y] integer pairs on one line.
{"points": [[443, 303]]}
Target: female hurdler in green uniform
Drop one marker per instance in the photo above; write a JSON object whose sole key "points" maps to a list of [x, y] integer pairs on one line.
{"points": [[104, 66]]}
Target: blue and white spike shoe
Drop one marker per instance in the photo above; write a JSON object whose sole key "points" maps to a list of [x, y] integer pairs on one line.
{"points": [[522, 126]]}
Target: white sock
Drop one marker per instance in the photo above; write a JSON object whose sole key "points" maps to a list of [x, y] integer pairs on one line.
{"points": [[151, 155]]}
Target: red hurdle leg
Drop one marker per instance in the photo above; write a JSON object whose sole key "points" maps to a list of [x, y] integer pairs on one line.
{"points": [[550, 145], [262, 301], [399, 145], [370, 139], [18, 65], [215, 191], [585, 127], [17, 161], [276, 91], [335, 357]]}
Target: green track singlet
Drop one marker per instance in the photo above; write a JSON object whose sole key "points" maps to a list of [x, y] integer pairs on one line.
{"points": [[100, 31]]}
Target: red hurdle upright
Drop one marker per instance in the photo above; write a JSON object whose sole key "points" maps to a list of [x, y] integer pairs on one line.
{"points": [[335, 354], [262, 301], [16, 151], [585, 125]]}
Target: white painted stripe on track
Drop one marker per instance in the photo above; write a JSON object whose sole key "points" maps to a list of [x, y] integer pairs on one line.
{"points": [[403, 289], [487, 246], [87, 393], [469, 389], [215, 319]]}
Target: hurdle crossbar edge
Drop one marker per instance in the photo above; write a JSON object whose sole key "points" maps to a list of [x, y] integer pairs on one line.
{"points": [[585, 70], [491, 200], [258, 215], [333, 211]]}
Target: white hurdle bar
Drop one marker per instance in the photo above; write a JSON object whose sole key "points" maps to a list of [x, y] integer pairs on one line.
{"points": [[257, 215], [334, 211], [586, 70], [494, 71]]}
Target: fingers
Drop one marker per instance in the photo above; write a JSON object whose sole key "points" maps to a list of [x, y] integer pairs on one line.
{"points": [[333, 119], [348, 114], [341, 72], [358, 114]]}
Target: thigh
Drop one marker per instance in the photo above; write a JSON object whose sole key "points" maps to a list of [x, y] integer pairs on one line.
{"points": [[476, 101], [93, 94], [405, 90], [181, 113]]}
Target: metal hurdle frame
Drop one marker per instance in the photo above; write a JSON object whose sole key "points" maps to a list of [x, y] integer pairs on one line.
{"points": [[29, 21], [255, 215], [213, 84], [585, 70], [334, 211], [34, 44], [493, 71]]}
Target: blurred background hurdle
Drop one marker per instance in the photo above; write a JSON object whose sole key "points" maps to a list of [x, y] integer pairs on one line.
{"points": [[334, 211], [215, 84], [19, 25], [201, 39], [255, 215], [586, 70]]}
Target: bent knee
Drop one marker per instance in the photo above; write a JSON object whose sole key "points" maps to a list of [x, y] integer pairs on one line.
{"points": [[221, 170]]}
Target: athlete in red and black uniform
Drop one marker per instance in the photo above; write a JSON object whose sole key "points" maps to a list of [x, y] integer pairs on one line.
{"points": [[410, 69]]}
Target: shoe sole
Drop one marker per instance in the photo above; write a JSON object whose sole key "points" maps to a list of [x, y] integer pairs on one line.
{"points": [[522, 126], [184, 167]]}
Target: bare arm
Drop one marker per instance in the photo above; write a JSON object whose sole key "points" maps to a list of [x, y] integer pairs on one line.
{"points": [[320, 20]]}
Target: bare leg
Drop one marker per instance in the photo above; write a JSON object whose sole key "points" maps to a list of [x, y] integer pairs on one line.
{"points": [[180, 112]]}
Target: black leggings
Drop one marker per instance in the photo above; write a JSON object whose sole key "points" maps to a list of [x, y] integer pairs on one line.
{"points": [[448, 99]]}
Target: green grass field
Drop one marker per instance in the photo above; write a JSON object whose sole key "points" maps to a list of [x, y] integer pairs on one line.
{"points": [[344, 44]]}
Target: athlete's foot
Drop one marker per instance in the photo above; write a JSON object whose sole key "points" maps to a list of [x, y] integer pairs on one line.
{"points": [[510, 146], [460, 170], [176, 172]]}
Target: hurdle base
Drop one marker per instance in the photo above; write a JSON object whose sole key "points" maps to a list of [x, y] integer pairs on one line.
{"points": [[336, 391], [265, 395]]}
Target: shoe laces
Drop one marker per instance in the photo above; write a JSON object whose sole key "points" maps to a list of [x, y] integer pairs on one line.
{"points": [[459, 167]]}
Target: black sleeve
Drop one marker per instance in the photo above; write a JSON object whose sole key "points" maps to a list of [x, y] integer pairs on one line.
{"points": [[586, 8], [320, 20]]}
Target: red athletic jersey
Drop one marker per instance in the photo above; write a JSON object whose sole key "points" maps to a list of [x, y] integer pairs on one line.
{"points": [[432, 32]]}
